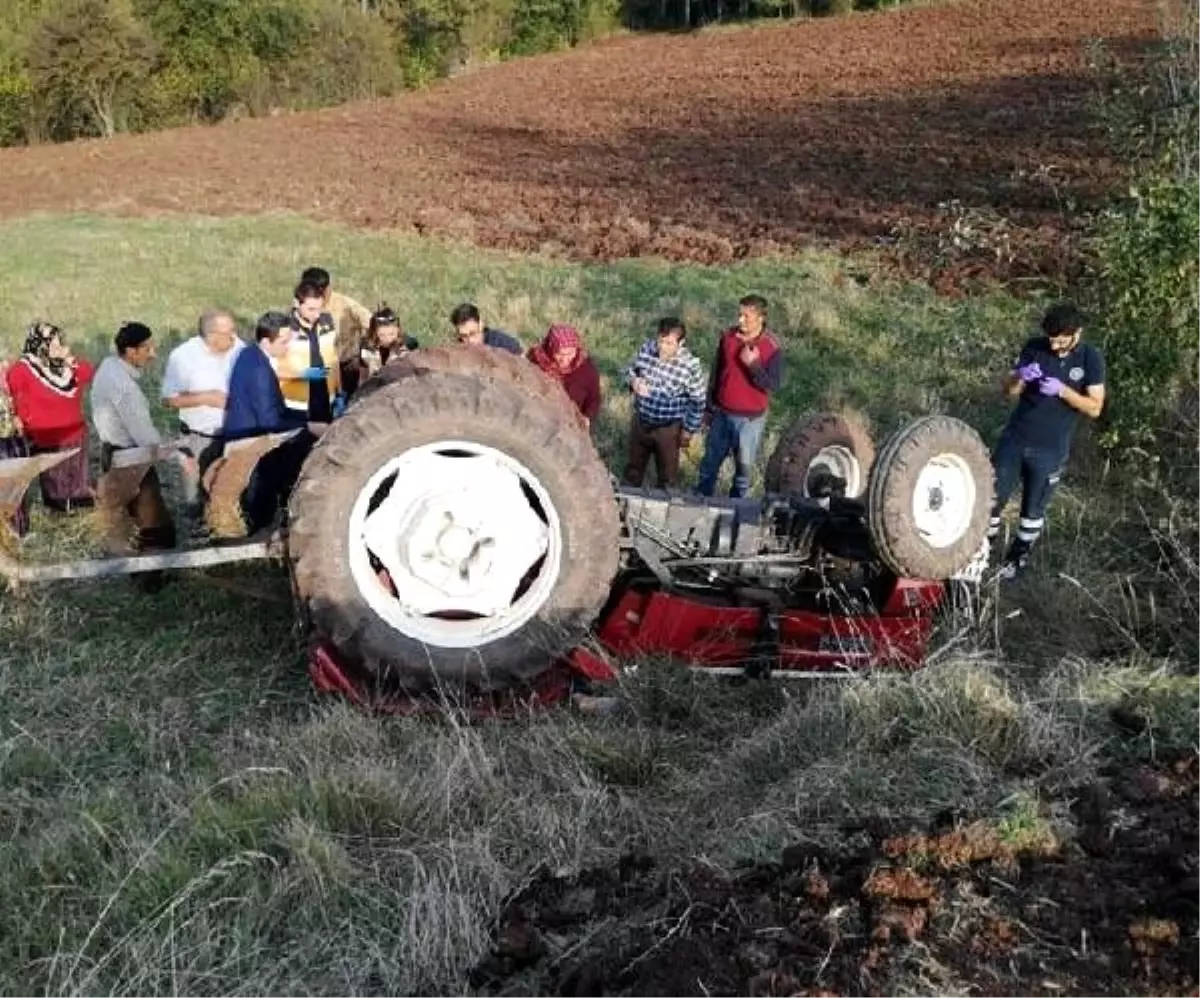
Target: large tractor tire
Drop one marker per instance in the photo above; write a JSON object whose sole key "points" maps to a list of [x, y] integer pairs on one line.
{"points": [[930, 498], [833, 442], [456, 529], [472, 362]]}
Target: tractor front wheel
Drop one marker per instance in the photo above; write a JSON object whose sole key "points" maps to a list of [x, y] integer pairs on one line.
{"points": [[930, 498]]}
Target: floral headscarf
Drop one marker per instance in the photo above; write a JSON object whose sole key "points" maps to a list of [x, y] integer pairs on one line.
{"points": [[557, 339], [55, 371]]}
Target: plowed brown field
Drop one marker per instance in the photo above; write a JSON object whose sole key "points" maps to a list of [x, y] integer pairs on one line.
{"points": [[708, 147]]}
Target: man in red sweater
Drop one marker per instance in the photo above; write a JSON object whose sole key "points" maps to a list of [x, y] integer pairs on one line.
{"points": [[747, 369]]}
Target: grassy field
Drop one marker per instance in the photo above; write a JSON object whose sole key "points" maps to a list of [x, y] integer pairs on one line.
{"points": [[893, 350], [178, 815]]}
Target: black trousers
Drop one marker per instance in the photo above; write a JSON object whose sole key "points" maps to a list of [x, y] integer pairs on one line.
{"points": [[1037, 470], [273, 479]]}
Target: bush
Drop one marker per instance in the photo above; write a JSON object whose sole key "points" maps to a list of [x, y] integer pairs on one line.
{"points": [[1146, 288], [1145, 281], [16, 107]]}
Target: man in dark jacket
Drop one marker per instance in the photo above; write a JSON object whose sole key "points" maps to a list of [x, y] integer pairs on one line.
{"points": [[255, 406], [1056, 378], [747, 369], [469, 329]]}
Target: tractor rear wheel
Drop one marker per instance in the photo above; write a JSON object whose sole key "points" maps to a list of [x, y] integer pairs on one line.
{"points": [[930, 498], [835, 442], [456, 529]]}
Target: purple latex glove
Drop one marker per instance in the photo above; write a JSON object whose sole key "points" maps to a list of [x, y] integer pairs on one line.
{"points": [[1030, 372], [1051, 386]]}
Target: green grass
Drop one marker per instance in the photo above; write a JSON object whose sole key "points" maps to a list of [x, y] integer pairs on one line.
{"points": [[178, 814]]}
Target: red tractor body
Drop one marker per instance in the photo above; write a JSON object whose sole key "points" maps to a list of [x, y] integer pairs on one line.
{"points": [[645, 622], [697, 632]]}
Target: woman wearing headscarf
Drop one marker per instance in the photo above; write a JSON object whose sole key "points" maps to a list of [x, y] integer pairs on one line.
{"points": [[46, 386], [561, 355], [385, 341]]}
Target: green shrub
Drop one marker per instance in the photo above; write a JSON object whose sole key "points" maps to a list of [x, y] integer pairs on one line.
{"points": [[540, 26], [1146, 290], [1145, 282], [16, 107]]}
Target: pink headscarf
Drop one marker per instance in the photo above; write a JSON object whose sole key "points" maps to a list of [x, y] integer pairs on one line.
{"points": [[557, 339]]}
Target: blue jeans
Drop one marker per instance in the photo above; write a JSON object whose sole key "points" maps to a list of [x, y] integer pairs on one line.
{"points": [[730, 434], [1037, 470]]}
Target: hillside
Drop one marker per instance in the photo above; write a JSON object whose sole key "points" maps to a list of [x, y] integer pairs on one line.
{"points": [[710, 147]]}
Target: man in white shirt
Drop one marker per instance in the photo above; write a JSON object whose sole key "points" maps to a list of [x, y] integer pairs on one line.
{"points": [[195, 385], [121, 416]]}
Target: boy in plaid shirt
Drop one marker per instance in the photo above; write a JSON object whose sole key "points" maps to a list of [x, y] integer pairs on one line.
{"points": [[669, 389]]}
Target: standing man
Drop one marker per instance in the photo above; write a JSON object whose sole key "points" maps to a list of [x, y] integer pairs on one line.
{"points": [[350, 322], [309, 373], [668, 387], [747, 369], [469, 329], [1056, 377], [195, 385], [122, 420]]}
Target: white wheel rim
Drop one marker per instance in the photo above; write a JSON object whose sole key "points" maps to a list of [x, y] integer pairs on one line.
{"points": [[457, 534], [943, 501], [840, 461]]}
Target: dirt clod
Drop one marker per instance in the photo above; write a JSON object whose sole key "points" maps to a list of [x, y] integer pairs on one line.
{"points": [[1148, 934], [900, 884], [975, 843], [899, 921], [771, 983], [995, 938], [520, 943]]}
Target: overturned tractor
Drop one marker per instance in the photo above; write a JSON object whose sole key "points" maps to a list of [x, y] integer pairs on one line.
{"points": [[457, 530]]}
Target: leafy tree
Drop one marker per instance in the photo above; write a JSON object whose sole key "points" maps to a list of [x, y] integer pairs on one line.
{"points": [[90, 55]]}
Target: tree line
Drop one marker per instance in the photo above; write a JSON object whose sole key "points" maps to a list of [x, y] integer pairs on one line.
{"points": [[76, 68]]}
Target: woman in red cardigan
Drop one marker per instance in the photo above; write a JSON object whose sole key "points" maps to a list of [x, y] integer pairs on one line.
{"points": [[46, 386], [562, 356]]}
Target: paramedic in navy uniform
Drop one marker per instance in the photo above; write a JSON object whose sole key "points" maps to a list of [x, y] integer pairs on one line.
{"points": [[1057, 376]]}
